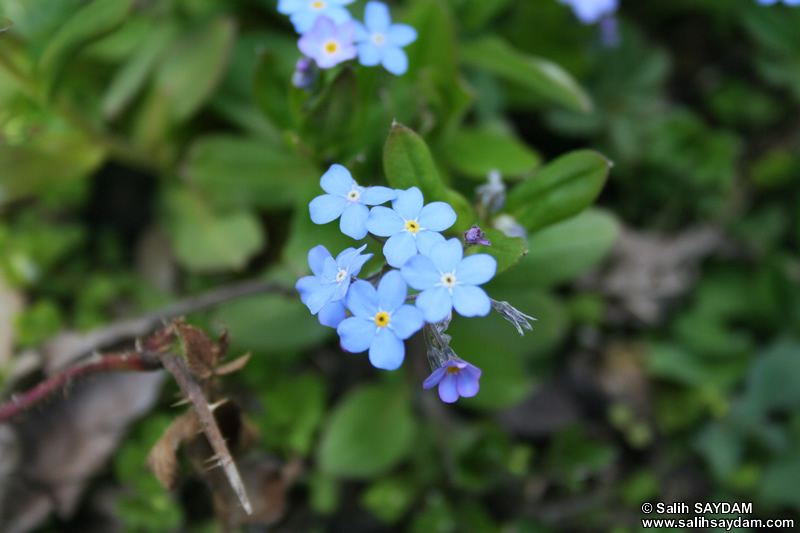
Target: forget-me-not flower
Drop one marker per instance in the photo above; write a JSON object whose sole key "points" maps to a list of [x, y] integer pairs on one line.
{"points": [[331, 313], [380, 41], [410, 226], [347, 199], [334, 277], [329, 43], [455, 378], [787, 2], [303, 13], [381, 321], [448, 280], [591, 11]]}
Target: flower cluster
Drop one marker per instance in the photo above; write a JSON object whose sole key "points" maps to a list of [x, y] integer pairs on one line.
{"points": [[329, 35], [377, 314], [591, 11]]}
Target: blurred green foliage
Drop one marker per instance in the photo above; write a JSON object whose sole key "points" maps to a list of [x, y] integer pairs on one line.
{"points": [[121, 120]]}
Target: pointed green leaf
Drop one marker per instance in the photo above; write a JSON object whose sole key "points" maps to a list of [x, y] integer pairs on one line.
{"points": [[370, 431], [475, 152], [561, 189], [88, 23], [544, 78], [271, 89]]}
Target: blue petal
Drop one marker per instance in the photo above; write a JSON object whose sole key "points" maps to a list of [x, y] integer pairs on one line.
{"points": [[332, 314], [306, 19], [362, 300], [339, 15], [435, 304], [394, 60], [406, 321], [447, 256], [427, 239], [378, 195], [469, 300], [437, 216], [420, 273], [310, 44], [408, 203], [448, 390], [316, 258], [356, 333], [329, 269], [435, 377], [401, 34], [361, 32], [305, 286], [399, 249], [354, 220], [317, 299], [392, 291], [337, 181], [466, 384], [368, 54], [476, 269], [377, 17], [473, 370], [386, 351], [384, 222], [356, 263], [326, 208], [287, 7]]}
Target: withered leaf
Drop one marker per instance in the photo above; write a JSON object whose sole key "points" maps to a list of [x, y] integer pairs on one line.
{"points": [[162, 459], [233, 366], [200, 351]]}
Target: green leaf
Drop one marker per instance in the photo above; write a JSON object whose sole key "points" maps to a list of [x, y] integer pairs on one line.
{"points": [[205, 241], [475, 152], [779, 482], [130, 79], [94, 20], [194, 66], [407, 162], [271, 89], [544, 78], [563, 251], [240, 171], [370, 431], [390, 498], [506, 250], [561, 189], [295, 407]]}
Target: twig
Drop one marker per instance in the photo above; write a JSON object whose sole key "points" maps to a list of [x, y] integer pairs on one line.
{"points": [[191, 389], [133, 361]]}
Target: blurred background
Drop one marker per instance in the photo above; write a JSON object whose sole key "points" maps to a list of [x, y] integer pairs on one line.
{"points": [[152, 151]]}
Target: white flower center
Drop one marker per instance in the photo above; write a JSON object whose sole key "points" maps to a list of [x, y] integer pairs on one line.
{"points": [[317, 5], [341, 276], [379, 39], [353, 196], [448, 281]]}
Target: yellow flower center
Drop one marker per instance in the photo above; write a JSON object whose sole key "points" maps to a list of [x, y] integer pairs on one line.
{"points": [[331, 47], [382, 319], [449, 280], [378, 39], [317, 5], [341, 276], [353, 195], [412, 226], [453, 369]]}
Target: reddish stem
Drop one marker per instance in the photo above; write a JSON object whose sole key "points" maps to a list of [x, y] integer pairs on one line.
{"points": [[133, 361]]}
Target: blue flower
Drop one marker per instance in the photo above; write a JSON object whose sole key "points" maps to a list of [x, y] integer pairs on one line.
{"points": [[332, 278], [770, 2], [329, 43], [591, 11], [305, 12], [380, 41], [347, 199], [410, 226], [381, 321], [447, 281], [455, 378]]}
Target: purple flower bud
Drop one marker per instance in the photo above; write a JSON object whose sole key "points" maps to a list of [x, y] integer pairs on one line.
{"points": [[475, 237], [305, 73]]}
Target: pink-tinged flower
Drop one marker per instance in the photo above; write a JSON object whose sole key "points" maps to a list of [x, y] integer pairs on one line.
{"points": [[328, 43], [455, 378], [475, 237]]}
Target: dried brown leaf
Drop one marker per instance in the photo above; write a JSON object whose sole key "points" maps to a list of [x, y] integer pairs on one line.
{"points": [[200, 351], [233, 366], [162, 459]]}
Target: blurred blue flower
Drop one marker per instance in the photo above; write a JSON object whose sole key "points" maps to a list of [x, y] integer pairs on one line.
{"points": [[787, 2], [332, 278], [410, 226], [329, 43], [380, 41], [347, 199], [381, 321], [447, 281], [455, 378], [303, 13], [591, 11]]}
